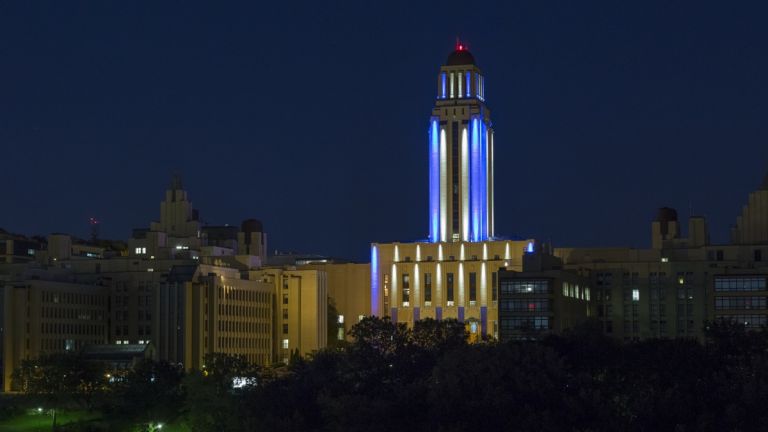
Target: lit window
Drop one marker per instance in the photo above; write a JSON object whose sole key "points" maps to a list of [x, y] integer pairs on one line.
{"points": [[341, 319], [452, 85], [664, 259], [635, 295], [340, 335], [285, 343], [360, 318]]}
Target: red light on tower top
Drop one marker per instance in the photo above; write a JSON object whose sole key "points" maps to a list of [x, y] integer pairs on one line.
{"points": [[460, 46]]}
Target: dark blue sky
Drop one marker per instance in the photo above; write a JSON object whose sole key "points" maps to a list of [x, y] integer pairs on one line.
{"points": [[313, 116]]}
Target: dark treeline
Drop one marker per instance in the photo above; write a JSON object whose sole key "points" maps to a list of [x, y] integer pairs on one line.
{"points": [[391, 378]]}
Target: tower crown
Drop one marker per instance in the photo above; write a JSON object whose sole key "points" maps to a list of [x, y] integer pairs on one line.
{"points": [[461, 56], [460, 78]]}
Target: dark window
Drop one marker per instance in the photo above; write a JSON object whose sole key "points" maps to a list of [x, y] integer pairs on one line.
{"points": [[758, 255], [720, 255], [406, 288], [427, 287], [449, 287], [473, 287]]}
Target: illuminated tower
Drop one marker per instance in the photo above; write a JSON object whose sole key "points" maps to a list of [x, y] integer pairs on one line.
{"points": [[460, 154]]}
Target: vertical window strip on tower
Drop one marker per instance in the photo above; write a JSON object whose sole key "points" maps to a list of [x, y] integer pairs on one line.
{"points": [[443, 185], [474, 179], [452, 85], [455, 158], [464, 183], [442, 85], [460, 93], [469, 85]]}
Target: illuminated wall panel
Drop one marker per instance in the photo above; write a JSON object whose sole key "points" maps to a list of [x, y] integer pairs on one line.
{"points": [[443, 186], [475, 180], [464, 185]]}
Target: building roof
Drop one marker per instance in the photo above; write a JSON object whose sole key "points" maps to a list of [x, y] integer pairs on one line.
{"points": [[114, 352], [182, 273], [461, 56]]}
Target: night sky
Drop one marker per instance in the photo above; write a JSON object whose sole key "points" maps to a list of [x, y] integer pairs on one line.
{"points": [[313, 116]]}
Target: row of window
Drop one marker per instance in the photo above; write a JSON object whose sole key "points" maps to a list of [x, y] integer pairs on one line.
{"points": [[575, 291], [229, 293], [67, 344], [243, 343], [752, 321], [76, 329], [246, 311], [526, 305], [71, 313], [754, 302], [449, 290], [142, 330], [525, 323], [459, 85], [521, 286], [243, 327], [739, 283], [73, 298]]}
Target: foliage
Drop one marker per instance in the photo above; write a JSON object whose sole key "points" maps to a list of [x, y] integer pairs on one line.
{"points": [[213, 395], [429, 377], [150, 392], [61, 377]]}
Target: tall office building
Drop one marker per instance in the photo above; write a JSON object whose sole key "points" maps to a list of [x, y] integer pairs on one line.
{"points": [[460, 154], [453, 274]]}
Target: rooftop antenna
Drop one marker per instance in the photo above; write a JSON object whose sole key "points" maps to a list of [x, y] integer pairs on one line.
{"points": [[459, 45], [94, 224]]}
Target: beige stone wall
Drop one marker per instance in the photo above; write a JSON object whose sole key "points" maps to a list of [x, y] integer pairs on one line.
{"points": [[461, 259]]}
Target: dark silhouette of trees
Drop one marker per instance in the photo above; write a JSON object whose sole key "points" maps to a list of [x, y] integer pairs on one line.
{"points": [[389, 377]]}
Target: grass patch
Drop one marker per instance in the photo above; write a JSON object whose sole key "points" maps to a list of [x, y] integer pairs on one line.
{"points": [[33, 421]]}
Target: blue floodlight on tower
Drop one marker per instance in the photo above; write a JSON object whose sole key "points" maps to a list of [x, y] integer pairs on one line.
{"points": [[375, 281], [434, 181]]}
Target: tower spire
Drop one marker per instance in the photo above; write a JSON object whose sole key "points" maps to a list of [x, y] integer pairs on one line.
{"points": [[459, 45]]}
